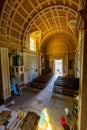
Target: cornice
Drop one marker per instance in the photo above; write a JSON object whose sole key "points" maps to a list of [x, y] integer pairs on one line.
{"points": [[6, 44]]}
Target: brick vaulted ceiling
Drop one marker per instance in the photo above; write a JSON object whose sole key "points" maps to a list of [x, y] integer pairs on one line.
{"points": [[51, 17]]}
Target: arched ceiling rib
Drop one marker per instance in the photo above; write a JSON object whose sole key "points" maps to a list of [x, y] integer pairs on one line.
{"points": [[21, 17], [63, 39], [56, 48]]}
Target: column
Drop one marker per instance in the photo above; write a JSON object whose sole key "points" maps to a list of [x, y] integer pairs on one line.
{"points": [[5, 90], [82, 120], [39, 63]]}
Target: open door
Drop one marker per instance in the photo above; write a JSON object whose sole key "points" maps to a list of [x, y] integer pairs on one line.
{"points": [[58, 66]]}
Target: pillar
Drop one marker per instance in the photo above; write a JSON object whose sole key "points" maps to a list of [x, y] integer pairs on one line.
{"points": [[39, 63], [82, 120], [5, 90]]}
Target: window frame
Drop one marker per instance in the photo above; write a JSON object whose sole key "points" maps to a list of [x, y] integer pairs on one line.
{"points": [[32, 47]]}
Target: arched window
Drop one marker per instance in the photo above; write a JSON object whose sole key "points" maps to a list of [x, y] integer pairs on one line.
{"points": [[32, 44]]}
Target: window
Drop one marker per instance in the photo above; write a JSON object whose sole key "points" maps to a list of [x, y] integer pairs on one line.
{"points": [[32, 44]]}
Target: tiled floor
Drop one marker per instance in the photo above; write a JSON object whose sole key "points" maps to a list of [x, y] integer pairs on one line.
{"points": [[44, 103]]}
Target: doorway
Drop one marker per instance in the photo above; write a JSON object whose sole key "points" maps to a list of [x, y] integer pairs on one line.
{"points": [[58, 67]]}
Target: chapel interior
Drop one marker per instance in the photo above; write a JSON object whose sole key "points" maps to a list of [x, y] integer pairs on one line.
{"points": [[43, 63]]}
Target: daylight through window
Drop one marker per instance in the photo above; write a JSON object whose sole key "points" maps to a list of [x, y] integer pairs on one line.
{"points": [[32, 44]]}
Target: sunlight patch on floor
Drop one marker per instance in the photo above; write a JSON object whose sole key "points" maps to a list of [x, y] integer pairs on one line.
{"points": [[44, 123]]}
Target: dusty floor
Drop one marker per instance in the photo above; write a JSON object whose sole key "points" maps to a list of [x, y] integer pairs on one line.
{"points": [[44, 103]]}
